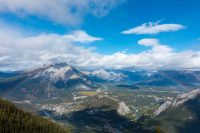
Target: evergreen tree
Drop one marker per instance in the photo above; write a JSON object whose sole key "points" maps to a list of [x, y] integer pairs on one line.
{"points": [[14, 120]]}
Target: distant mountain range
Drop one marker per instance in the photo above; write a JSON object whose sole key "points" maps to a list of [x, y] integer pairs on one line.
{"points": [[61, 80], [58, 79], [148, 78]]}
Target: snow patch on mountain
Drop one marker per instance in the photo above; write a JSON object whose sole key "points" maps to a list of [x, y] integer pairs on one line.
{"points": [[108, 75], [74, 76], [59, 73], [180, 99]]}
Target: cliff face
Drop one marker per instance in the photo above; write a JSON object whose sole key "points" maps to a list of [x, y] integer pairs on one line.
{"points": [[180, 99]]}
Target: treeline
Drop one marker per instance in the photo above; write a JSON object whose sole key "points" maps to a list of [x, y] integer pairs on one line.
{"points": [[14, 120]]}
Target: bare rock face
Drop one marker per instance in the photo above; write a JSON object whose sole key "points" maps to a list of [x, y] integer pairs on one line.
{"points": [[180, 99], [162, 108], [123, 109], [185, 97]]}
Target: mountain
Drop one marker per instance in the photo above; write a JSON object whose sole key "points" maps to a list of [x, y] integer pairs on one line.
{"points": [[59, 79], [14, 120], [174, 77], [46, 82], [74, 94], [147, 78], [8, 74], [61, 76], [103, 75], [118, 75], [179, 100], [182, 115], [179, 115]]}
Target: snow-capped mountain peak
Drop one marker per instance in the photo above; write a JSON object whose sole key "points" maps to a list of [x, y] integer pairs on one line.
{"points": [[108, 75], [61, 76], [59, 72]]}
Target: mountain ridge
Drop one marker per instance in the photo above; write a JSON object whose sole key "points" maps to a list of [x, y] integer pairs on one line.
{"points": [[180, 99], [45, 82]]}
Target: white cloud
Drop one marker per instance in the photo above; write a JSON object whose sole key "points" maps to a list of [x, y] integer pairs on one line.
{"points": [[153, 28], [148, 42], [155, 44], [70, 12], [23, 52], [81, 36]]}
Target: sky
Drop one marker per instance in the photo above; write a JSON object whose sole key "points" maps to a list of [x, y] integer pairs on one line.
{"points": [[94, 34]]}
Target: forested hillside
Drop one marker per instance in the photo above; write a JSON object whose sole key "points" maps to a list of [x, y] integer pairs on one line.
{"points": [[14, 120]]}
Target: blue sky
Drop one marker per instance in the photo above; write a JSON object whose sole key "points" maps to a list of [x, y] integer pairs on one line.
{"points": [[131, 14], [137, 12], [106, 20]]}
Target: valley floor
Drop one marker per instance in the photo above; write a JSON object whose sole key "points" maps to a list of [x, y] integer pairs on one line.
{"points": [[108, 109]]}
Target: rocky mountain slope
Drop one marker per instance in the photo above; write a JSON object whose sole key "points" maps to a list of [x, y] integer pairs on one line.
{"points": [[46, 82], [182, 115], [180, 99]]}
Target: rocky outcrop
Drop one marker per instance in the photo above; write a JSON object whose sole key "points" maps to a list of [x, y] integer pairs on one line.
{"points": [[123, 109], [180, 99]]}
